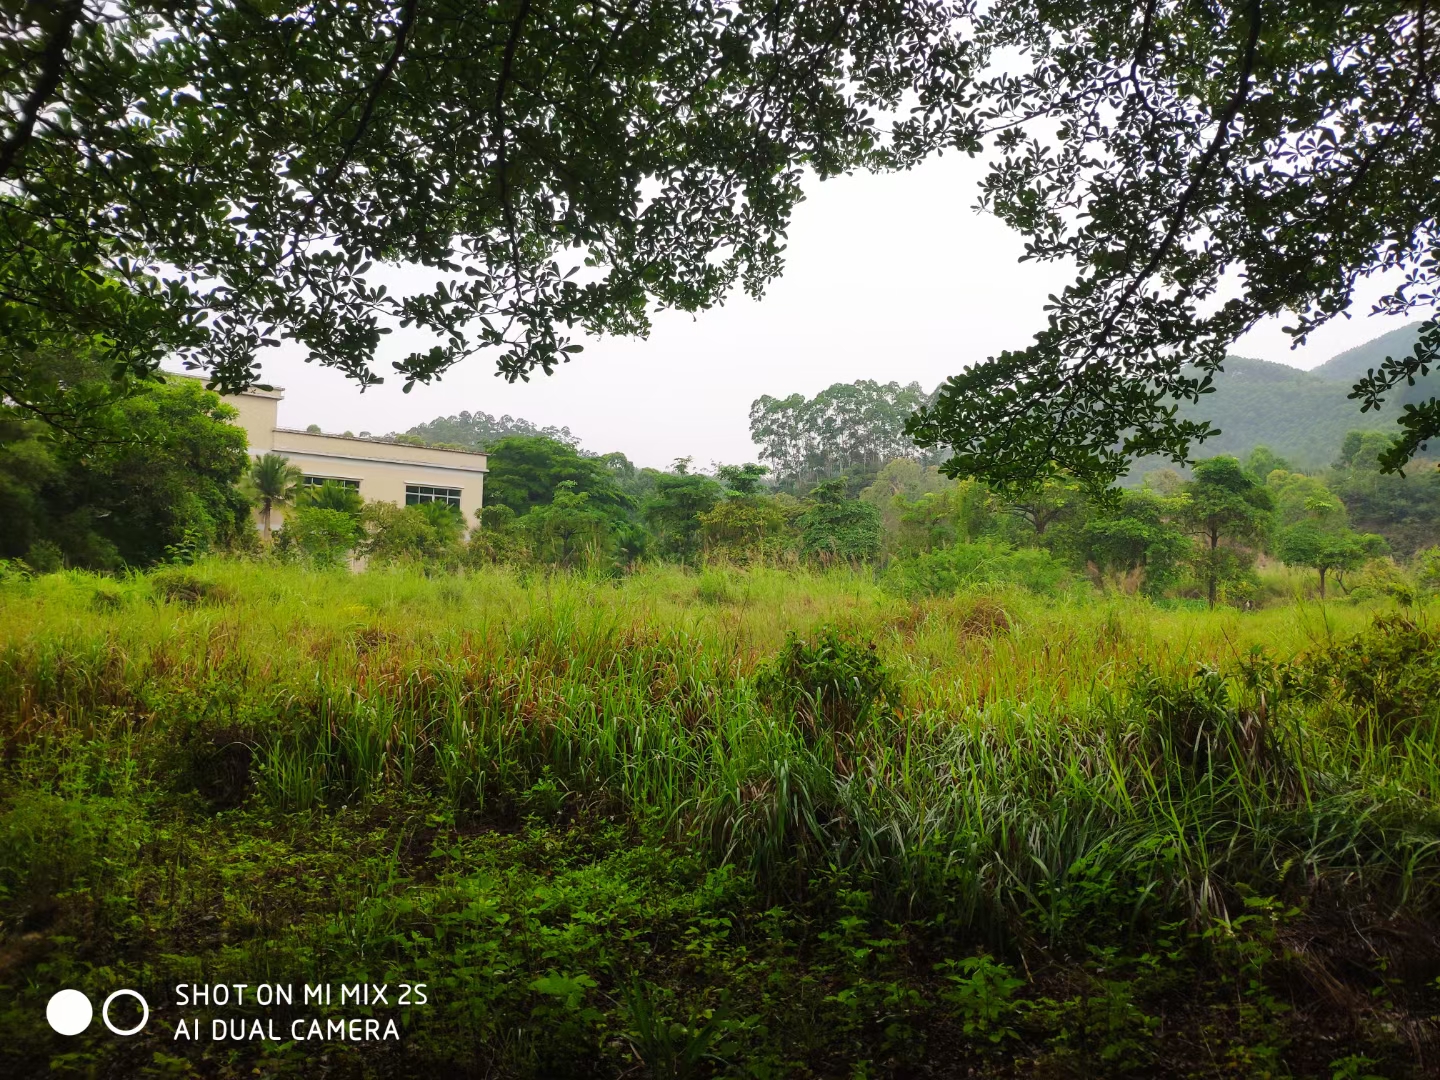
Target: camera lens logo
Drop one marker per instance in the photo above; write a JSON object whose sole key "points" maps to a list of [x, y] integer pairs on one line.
{"points": [[70, 1012]]}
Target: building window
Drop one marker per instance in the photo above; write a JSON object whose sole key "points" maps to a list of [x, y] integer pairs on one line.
{"points": [[415, 494], [321, 481]]}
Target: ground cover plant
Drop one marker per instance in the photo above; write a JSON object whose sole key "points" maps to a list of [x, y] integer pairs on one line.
{"points": [[739, 823]]}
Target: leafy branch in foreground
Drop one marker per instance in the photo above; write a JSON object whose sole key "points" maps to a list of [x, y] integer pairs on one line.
{"points": [[1176, 152], [207, 179]]}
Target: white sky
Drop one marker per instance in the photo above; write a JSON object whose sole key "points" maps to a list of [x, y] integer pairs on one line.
{"points": [[887, 277]]}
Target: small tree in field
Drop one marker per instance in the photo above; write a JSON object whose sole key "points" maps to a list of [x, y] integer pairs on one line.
{"points": [[1224, 502], [570, 530], [274, 481], [1324, 541]]}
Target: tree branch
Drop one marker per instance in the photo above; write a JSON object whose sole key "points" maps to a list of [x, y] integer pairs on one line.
{"points": [[52, 66]]}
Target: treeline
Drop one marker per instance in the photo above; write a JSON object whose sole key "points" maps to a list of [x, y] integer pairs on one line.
{"points": [[848, 429], [167, 477], [1203, 537]]}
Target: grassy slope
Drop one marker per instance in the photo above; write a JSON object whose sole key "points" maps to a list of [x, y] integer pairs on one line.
{"points": [[569, 807]]}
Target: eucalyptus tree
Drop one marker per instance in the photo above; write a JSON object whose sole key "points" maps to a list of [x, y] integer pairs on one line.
{"points": [[206, 179]]}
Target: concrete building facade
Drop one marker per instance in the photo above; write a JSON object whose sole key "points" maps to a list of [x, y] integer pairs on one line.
{"points": [[380, 469]]}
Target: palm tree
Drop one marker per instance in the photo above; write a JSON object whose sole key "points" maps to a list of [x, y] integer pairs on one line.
{"points": [[332, 495], [272, 480]]}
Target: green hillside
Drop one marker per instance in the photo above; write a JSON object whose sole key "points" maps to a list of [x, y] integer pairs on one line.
{"points": [[1354, 363], [1301, 415]]}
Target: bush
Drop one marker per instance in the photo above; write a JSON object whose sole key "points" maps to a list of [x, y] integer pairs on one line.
{"points": [[831, 682], [325, 536], [973, 566], [1391, 671], [45, 557], [717, 586], [499, 540], [181, 586], [1381, 578], [408, 534]]}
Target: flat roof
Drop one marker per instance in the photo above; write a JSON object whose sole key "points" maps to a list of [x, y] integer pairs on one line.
{"points": [[381, 440]]}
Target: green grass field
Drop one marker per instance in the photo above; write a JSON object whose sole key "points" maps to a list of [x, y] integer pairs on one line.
{"points": [[722, 824]]}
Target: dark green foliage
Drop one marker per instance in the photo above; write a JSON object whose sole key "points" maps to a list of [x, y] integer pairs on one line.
{"points": [[571, 530], [666, 149], [744, 479], [331, 496], [1158, 148], [162, 481], [526, 470], [323, 535], [835, 527], [673, 512], [833, 683]]}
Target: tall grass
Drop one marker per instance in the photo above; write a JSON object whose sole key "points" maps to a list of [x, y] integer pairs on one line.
{"points": [[1049, 763]]}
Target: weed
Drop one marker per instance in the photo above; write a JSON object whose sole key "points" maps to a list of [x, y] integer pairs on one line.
{"points": [[832, 683]]}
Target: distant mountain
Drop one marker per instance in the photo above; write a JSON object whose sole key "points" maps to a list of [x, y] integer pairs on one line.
{"points": [[1354, 363], [478, 430], [1301, 415]]}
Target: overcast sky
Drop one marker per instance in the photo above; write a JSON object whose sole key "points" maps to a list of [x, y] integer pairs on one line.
{"points": [[887, 277]]}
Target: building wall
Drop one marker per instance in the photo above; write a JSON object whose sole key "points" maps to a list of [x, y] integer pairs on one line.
{"points": [[383, 469], [258, 410]]}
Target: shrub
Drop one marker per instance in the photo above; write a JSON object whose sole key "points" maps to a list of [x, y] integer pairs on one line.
{"points": [[1392, 671], [978, 565], [1381, 578], [324, 536], [830, 681], [407, 534], [45, 557], [180, 586], [499, 540], [835, 528]]}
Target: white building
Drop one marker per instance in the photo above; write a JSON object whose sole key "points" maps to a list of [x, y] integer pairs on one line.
{"points": [[380, 469]]}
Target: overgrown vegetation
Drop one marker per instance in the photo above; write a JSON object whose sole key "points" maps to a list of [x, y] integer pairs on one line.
{"points": [[750, 823]]}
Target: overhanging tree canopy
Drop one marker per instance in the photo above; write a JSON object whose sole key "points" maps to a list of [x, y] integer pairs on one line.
{"points": [[1203, 165], [205, 178]]}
